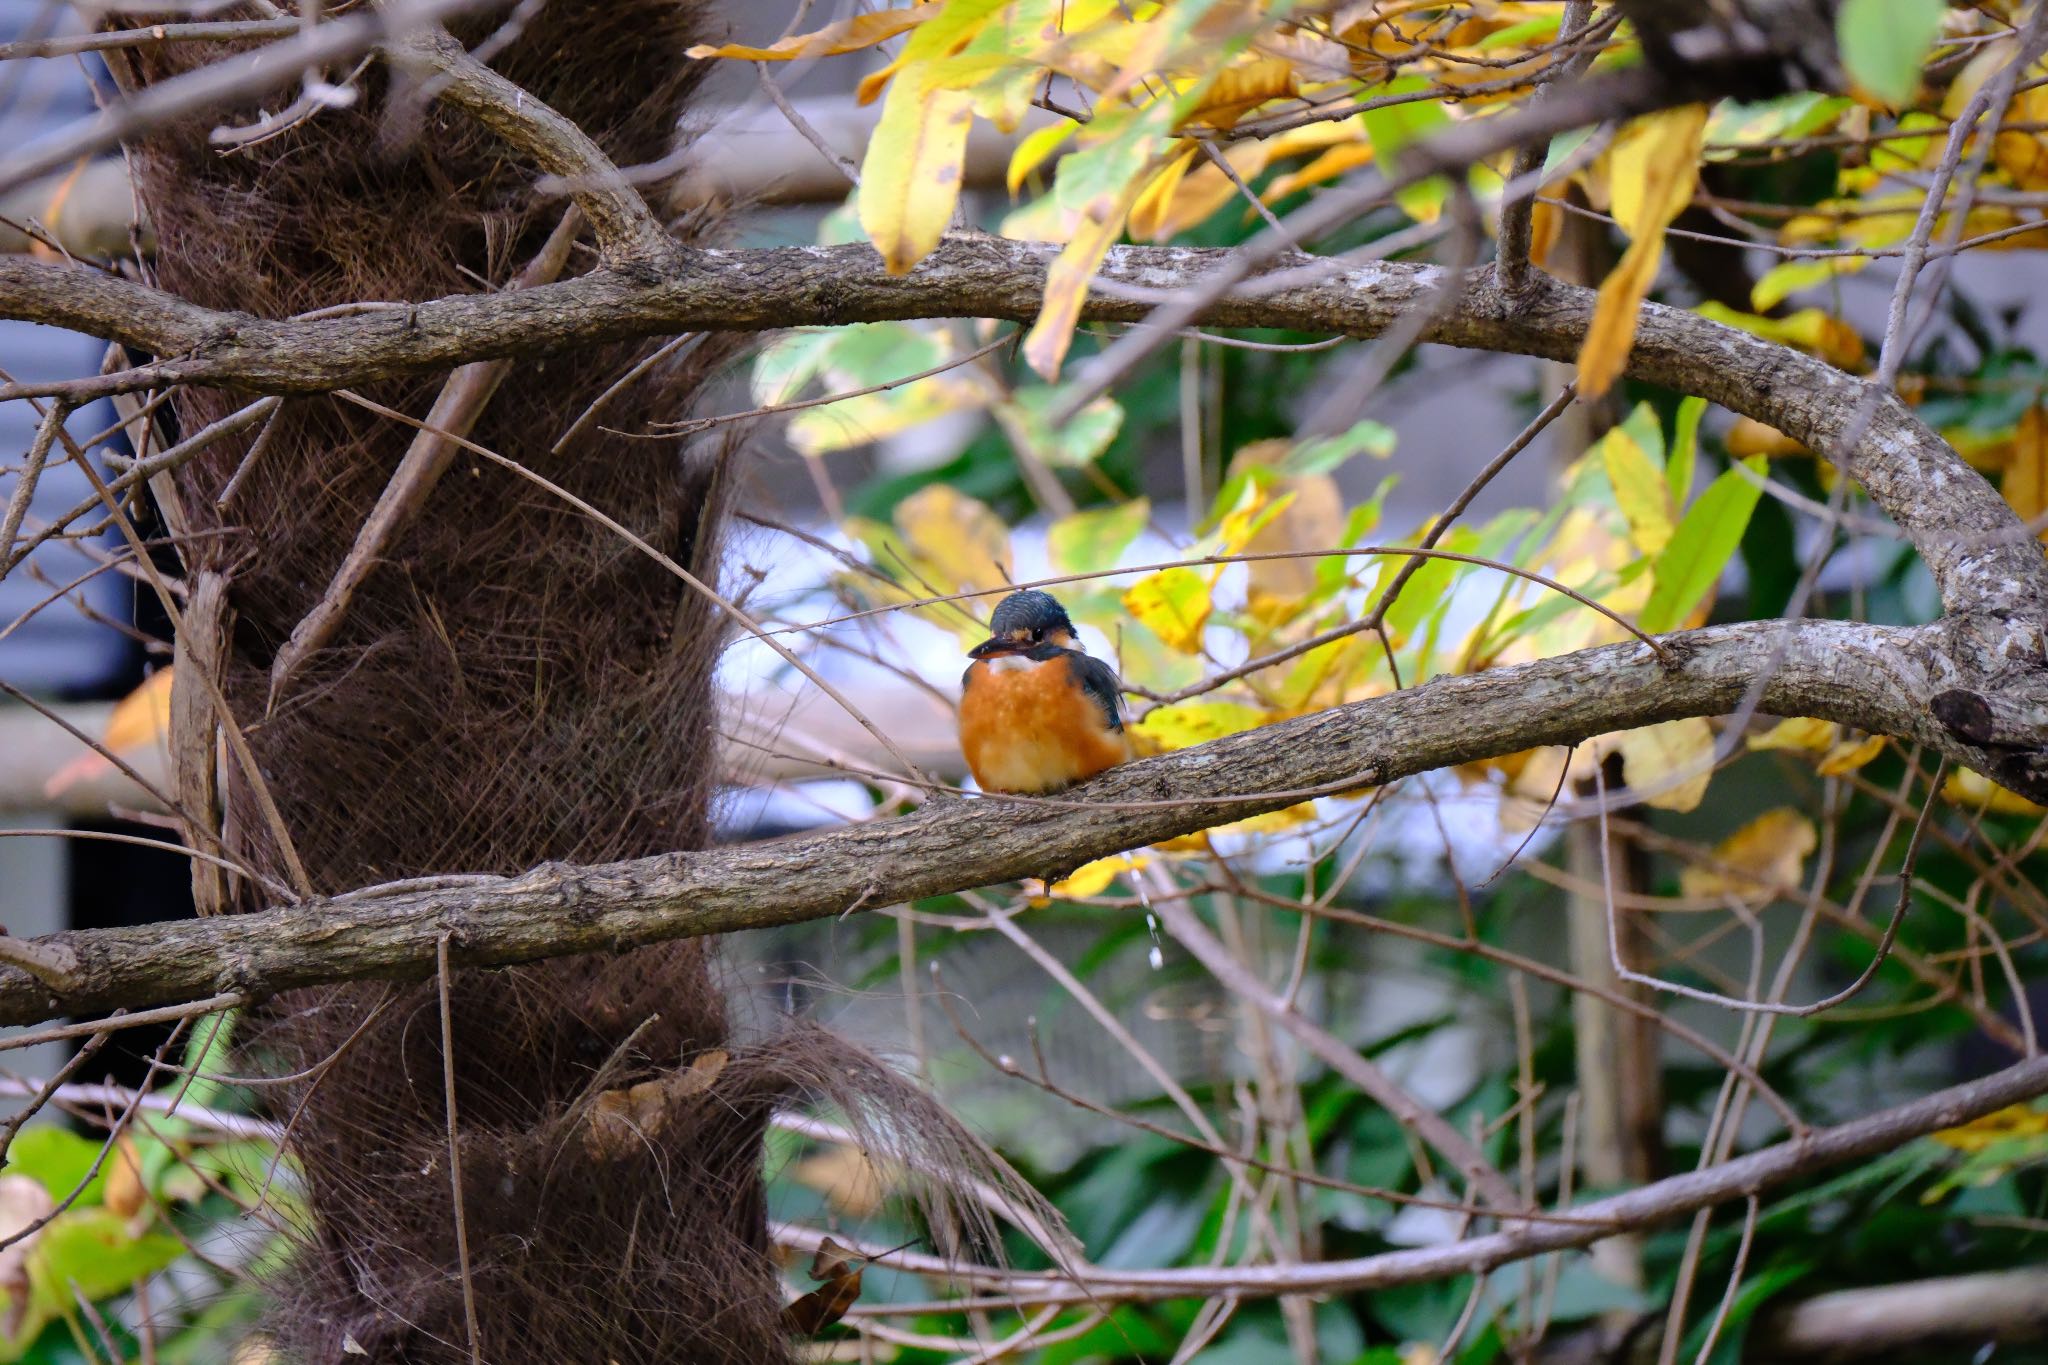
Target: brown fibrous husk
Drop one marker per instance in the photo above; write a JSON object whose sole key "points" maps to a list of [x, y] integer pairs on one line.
{"points": [[513, 684]]}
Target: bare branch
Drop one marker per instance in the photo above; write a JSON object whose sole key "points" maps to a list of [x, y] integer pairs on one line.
{"points": [[1646, 1206], [1871, 677], [1972, 541]]}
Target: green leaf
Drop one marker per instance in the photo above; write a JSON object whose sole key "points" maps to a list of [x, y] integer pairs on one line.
{"points": [[1330, 452], [94, 1250], [1334, 572], [1562, 148], [1885, 44], [1424, 592], [1087, 541], [1787, 278], [207, 1055], [1646, 429], [1755, 1292], [1685, 444], [1736, 124], [884, 352], [57, 1159], [1706, 539], [1073, 446], [1395, 126], [788, 363], [1526, 33]]}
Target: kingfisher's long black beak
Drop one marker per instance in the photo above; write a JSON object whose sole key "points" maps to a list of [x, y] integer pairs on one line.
{"points": [[994, 645]]}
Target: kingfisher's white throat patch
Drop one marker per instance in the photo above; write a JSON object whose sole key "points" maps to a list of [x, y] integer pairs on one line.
{"points": [[1010, 663]]}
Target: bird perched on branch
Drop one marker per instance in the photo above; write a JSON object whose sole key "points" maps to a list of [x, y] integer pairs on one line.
{"points": [[1036, 712]]}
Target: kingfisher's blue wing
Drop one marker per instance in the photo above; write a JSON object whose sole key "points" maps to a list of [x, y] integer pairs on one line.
{"points": [[1099, 681]]}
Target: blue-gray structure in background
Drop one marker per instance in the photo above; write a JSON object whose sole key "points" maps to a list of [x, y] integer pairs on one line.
{"points": [[60, 650]]}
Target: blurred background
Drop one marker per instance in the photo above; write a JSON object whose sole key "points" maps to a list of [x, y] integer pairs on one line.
{"points": [[1113, 1018]]}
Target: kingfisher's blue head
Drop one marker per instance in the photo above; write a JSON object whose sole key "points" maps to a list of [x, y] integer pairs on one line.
{"points": [[1024, 620]]}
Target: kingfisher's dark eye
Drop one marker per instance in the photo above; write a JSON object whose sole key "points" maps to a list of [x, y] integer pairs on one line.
{"points": [[1038, 632]]}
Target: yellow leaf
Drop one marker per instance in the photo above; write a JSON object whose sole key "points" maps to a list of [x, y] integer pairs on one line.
{"points": [[1974, 791], [1255, 508], [1802, 733], [1309, 516], [125, 1192], [1756, 861], [1237, 90], [1277, 821], [139, 720], [1338, 671], [1847, 757], [1331, 164], [962, 542], [1033, 151], [1546, 221], [849, 35], [1206, 189], [1175, 604], [1272, 822], [910, 178], [1149, 209], [1066, 283], [2004, 1125], [871, 85], [2024, 155], [943, 542], [1639, 489], [1810, 329], [1188, 723], [143, 716], [1092, 879], [1670, 763], [1653, 174], [2025, 484], [1750, 437]]}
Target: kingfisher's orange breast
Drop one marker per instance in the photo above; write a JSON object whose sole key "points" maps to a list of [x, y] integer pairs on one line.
{"points": [[1031, 729]]}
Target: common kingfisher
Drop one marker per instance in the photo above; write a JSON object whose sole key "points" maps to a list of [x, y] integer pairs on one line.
{"points": [[1037, 713]]}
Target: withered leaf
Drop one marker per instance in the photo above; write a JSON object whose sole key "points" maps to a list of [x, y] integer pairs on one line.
{"points": [[631, 1114], [825, 1305], [832, 1259]]}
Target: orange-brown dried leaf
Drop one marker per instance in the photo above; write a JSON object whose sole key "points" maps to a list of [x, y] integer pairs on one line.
{"points": [[1652, 177], [860, 32], [2025, 484], [823, 1306]]}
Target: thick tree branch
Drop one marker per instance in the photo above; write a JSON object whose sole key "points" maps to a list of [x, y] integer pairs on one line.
{"points": [[1875, 678], [1971, 540]]}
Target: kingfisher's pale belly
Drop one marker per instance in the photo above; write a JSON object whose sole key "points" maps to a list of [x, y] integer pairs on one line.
{"points": [[1025, 727]]}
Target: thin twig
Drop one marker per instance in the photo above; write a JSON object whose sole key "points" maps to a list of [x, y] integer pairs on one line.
{"points": [[31, 475], [455, 1154]]}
